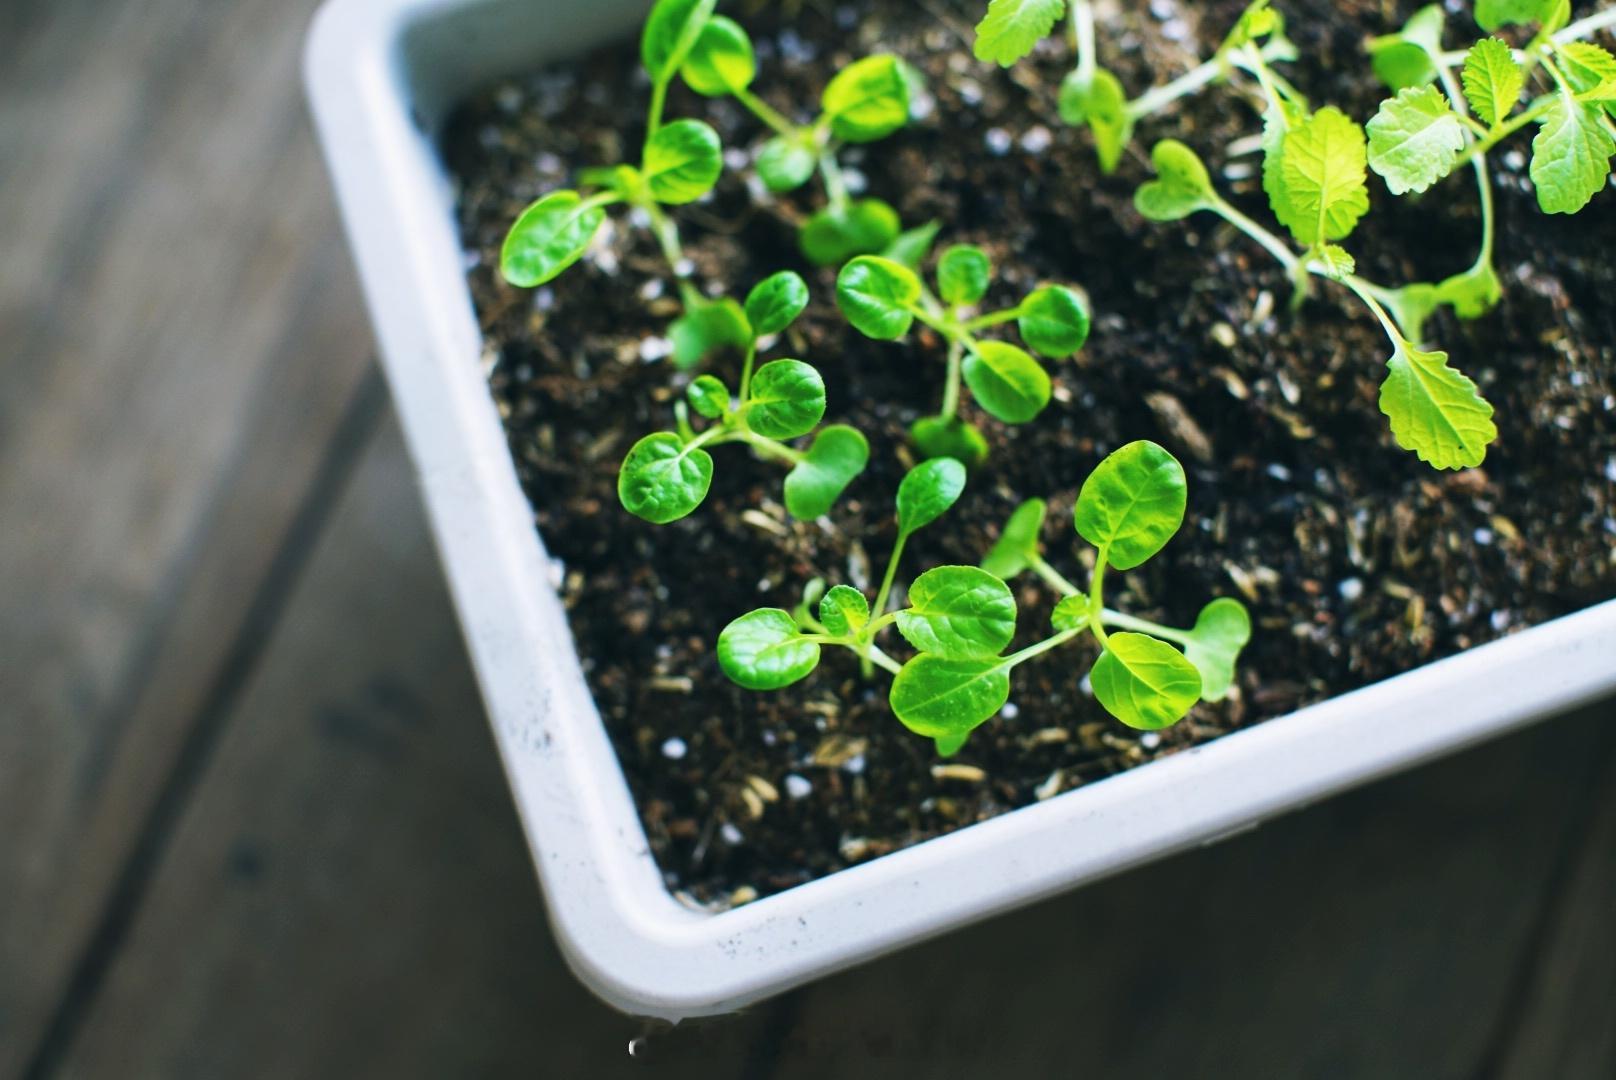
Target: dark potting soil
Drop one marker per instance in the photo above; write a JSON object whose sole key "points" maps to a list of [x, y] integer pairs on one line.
{"points": [[1357, 561]]}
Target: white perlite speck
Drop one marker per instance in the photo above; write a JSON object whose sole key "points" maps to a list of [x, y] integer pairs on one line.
{"points": [[675, 749], [798, 787]]}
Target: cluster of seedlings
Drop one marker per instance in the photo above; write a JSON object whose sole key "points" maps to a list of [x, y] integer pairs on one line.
{"points": [[961, 621]]}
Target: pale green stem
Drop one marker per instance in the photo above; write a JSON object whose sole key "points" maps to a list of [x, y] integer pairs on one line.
{"points": [[1033, 651], [884, 661], [1504, 131], [767, 446], [951, 390], [746, 372], [1097, 595], [997, 318], [885, 592], [1145, 626], [1274, 245], [659, 101], [1082, 34], [1587, 28], [667, 235], [766, 113], [1053, 577], [1484, 181], [835, 182]]}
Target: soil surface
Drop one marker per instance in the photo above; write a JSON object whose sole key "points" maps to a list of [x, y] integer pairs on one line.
{"points": [[1357, 561]]}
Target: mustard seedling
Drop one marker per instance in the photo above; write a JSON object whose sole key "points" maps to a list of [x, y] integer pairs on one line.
{"points": [[666, 476], [864, 103], [884, 298], [961, 620]]}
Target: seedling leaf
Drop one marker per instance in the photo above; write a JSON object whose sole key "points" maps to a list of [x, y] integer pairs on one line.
{"points": [[1415, 140], [1473, 293], [1145, 683], [1337, 262], [1255, 23], [927, 493], [1591, 71], [671, 30], [683, 161], [1018, 544], [844, 611], [1182, 185], [940, 437], [1221, 631], [1570, 156], [707, 329], [1008, 382], [913, 245], [1436, 411], [963, 275], [1406, 59], [1132, 504], [1054, 322], [948, 699], [709, 397], [721, 62], [550, 236], [1493, 81], [867, 100], [787, 400], [878, 296], [1012, 27], [839, 233], [1491, 14], [785, 164], [1072, 613], [776, 303], [1325, 182], [662, 480], [837, 457], [1099, 102], [959, 613], [765, 651]]}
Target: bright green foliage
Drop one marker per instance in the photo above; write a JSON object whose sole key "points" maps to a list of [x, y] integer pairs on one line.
{"points": [[1145, 683], [867, 100], [1409, 57], [787, 162], [1473, 293], [949, 436], [963, 275], [878, 297], [708, 328], [1007, 382], [1435, 411], [1017, 548], [682, 162], [1054, 322], [947, 699], [844, 611], [1132, 504], [1182, 185], [1258, 21], [1073, 613], [671, 32], [1221, 631], [840, 232], [787, 401], [928, 492], [1493, 81], [1012, 27], [959, 613], [550, 236], [1323, 175], [1591, 71], [1571, 156], [1098, 101], [913, 245], [709, 397], [837, 457], [765, 651], [776, 302], [663, 479], [1491, 14], [1415, 140], [1337, 262], [721, 62]]}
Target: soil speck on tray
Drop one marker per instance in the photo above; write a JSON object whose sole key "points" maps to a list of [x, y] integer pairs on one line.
{"points": [[1358, 562]]}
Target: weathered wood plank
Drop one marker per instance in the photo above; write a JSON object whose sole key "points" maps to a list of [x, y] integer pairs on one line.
{"points": [[349, 894], [1373, 936], [182, 337]]}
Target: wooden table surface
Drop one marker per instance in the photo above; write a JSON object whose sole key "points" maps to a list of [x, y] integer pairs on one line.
{"points": [[251, 819]]}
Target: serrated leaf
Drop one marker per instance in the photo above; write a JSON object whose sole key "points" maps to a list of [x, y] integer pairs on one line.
{"points": [[837, 458], [1132, 504], [706, 330], [1011, 28], [785, 164], [549, 237], [1221, 631], [1145, 683], [959, 613], [1493, 81], [1337, 262], [709, 397], [683, 161], [1415, 140], [1255, 23], [1591, 71], [1054, 322], [948, 699], [878, 296], [836, 234], [776, 302], [1099, 102], [1435, 411], [927, 492], [765, 650], [1570, 156], [1279, 120], [1007, 381], [963, 275], [787, 400], [663, 480], [1017, 546], [1408, 58], [671, 31], [1072, 613], [1325, 180], [844, 611], [867, 100], [721, 61], [1182, 185], [949, 436]]}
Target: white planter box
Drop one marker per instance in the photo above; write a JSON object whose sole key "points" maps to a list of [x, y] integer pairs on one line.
{"points": [[382, 74]]}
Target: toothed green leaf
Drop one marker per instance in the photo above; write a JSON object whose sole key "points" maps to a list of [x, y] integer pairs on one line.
{"points": [[1435, 411], [1324, 174], [1415, 140], [948, 699], [1493, 81], [1570, 156], [1011, 28]]}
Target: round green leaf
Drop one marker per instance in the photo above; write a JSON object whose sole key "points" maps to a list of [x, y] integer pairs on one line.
{"points": [[959, 613], [708, 329], [836, 459], [867, 100], [878, 296], [671, 30], [1182, 185], [709, 397], [1007, 382], [776, 303], [844, 611], [1221, 631], [785, 164], [948, 699], [682, 162], [662, 480], [940, 437], [550, 236], [837, 234], [721, 62], [1133, 504], [1099, 102], [1018, 544], [1145, 683], [787, 400], [1054, 322], [766, 651], [927, 493], [1072, 613], [963, 275]]}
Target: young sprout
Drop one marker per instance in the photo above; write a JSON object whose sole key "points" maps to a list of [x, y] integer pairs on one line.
{"points": [[883, 299], [667, 476], [679, 163], [865, 102], [961, 620]]}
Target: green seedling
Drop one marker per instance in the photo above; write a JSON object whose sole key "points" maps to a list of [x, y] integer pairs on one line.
{"points": [[667, 476], [884, 298], [961, 620], [865, 102]]}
